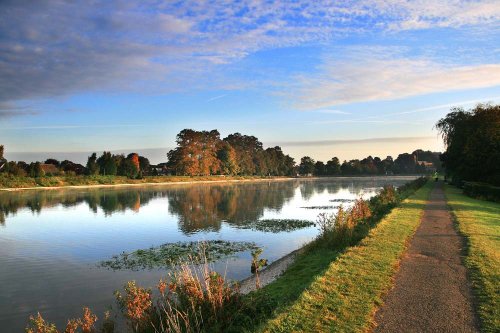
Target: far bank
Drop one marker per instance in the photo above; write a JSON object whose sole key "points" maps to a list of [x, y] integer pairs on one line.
{"points": [[81, 182]]}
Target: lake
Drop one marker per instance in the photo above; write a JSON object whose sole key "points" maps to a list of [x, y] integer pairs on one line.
{"points": [[53, 241]]}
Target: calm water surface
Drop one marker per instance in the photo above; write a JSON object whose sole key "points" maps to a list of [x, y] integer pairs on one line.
{"points": [[51, 241]]}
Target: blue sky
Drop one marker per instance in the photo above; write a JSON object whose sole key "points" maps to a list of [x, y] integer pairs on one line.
{"points": [[346, 79]]}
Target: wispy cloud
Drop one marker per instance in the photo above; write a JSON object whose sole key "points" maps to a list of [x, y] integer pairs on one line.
{"points": [[354, 141], [442, 106], [58, 48], [64, 127], [361, 80], [332, 111], [216, 98]]}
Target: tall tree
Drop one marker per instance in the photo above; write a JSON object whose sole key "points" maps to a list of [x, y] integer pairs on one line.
{"points": [[196, 153], [319, 168], [144, 165], [53, 161], [472, 140], [227, 157], [3, 161], [306, 166], [92, 167], [107, 164], [333, 166], [247, 147]]}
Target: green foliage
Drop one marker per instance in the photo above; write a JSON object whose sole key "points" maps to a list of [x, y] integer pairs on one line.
{"points": [[482, 191], [92, 166], [107, 164], [472, 140], [129, 169], [35, 170], [307, 166]]}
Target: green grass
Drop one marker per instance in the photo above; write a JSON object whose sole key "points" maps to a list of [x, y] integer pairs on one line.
{"points": [[9, 181], [479, 222], [334, 291]]}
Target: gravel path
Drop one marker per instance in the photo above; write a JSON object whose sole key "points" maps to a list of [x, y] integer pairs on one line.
{"points": [[431, 292]]}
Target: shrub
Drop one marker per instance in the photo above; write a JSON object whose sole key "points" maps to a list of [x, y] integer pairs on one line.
{"points": [[39, 325], [336, 230], [482, 191]]}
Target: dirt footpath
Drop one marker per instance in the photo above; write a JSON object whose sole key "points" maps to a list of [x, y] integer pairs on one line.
{"points": [[431, 292]]}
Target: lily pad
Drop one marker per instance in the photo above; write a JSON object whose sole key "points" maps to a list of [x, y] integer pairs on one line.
{"points": [[320, 207], [342, 200], [278, 225], [170, 254]]}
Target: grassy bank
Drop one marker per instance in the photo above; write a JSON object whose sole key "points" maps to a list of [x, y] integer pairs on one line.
{"points": [[479, 222], [335, 283], [329, 290], [13, 182]]}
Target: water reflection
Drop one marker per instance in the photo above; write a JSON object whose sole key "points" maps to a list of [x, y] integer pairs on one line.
{"points": [[201, 207], [198, 207], [54, 238]]}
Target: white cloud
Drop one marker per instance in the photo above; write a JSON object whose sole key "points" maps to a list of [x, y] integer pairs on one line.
{"points": [[59, 48], [330, 111], [361, 80]]}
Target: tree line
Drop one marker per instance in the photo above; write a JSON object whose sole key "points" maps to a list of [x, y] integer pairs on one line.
{"points": [[417, 162], [472, 140], [132, 166], [203, 153]]}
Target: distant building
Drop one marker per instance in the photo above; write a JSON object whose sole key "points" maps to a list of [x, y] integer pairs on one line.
{"points": [[429, 166], [161, 169]]}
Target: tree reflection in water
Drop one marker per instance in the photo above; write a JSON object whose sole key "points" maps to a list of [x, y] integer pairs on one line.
{"points": [[198, 207]]}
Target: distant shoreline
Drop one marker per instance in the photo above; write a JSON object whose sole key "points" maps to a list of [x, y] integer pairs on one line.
{"points": [[192, 181]]}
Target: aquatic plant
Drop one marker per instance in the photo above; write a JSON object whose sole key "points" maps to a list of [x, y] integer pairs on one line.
{"points": [[321, 207], [171, 254], [257, 264], [277, 225], [342, 200]]}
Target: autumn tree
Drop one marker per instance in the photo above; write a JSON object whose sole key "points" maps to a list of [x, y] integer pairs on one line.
{"points": [[196, 153], [227, 157], [247, 150]]}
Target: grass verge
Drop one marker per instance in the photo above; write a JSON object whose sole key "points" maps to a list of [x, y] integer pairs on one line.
{"points": [[479, 222], [13, 182], [339, 291]]}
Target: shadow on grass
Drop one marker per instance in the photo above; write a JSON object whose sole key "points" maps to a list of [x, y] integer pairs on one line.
{"points": [[314, 260]]}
